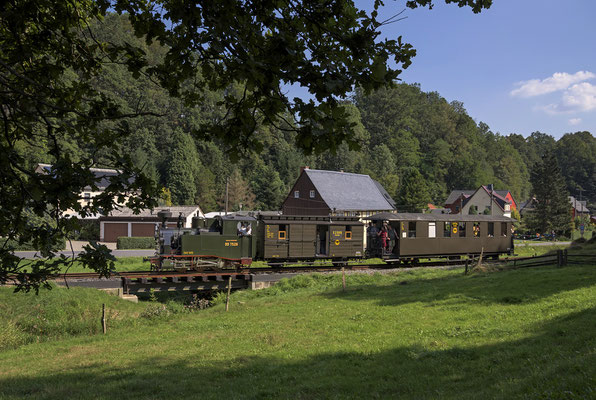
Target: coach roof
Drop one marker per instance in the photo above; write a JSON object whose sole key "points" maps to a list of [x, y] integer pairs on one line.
{"points": [[437, 217]]}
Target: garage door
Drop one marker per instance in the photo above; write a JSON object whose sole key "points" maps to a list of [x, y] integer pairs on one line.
{"points": [[112, 231], [143, 230]]}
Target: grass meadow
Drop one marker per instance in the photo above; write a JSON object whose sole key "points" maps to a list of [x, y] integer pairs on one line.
{"points": [[417, 334]]}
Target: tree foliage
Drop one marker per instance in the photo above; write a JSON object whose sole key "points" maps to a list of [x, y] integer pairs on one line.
{"points": [[553, 211], [413, 193]]}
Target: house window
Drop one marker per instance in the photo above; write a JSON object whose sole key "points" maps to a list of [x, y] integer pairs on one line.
{"points": [[491, 229], [462, 229], [281, 235], [447, 229], [432, 229], [312, 194], [412, 229], [504, 229], [87, 196], [296, 194]]}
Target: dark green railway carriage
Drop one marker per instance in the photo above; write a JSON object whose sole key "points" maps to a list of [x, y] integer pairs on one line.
{"points": [[295, 238], [441, 235]]}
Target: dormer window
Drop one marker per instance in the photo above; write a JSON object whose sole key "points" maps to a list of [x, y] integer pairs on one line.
{"points": [[312, 194], [296, 194]]}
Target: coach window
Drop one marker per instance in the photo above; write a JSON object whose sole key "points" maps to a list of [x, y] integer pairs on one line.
{"points": [[447, 230], [491, 229], [412, 229], [348, 232], [462, 229], [476, 229], [281, 235], [432, 229], [503, 229]]}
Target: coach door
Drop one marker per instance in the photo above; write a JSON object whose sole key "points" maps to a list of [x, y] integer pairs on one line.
{"points": [[322, 240]]}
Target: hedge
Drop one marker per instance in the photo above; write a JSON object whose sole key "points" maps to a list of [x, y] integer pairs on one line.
{"points": [[125, 243], [28, 246]]}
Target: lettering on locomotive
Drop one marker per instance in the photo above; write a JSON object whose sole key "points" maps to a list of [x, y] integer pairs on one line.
{"points": [[231, 243]]}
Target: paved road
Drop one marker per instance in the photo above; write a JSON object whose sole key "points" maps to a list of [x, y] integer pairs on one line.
{"points": [[116, 253], [543, 244]]}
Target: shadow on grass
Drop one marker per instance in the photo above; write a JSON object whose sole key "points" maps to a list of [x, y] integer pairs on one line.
{"points": [[501, 287], [558, 360]]}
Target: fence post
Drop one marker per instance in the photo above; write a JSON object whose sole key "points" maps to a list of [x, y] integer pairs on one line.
{"points": [[559, 258], [343, 278], [103, 318], [467, 262], [229, 290], [565, 257]]}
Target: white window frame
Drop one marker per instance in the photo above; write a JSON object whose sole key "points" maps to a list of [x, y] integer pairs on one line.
{"points": [[296, 194], [312, 194]]}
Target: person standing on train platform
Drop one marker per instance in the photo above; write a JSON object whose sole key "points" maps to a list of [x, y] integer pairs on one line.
{"points": [[384, 236], [392, 237]]}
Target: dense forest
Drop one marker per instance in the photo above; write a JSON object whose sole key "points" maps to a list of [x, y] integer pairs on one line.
{"points": [[406, 136]]}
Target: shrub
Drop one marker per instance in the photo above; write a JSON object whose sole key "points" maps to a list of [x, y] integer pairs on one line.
{"points": [[28, 246], [135, 243]]}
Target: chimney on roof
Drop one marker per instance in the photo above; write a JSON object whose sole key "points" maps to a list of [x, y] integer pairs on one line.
{"points": [[341, 170], [303, 168]]}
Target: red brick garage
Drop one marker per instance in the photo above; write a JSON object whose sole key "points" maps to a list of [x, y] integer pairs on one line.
{"points": [[113, 230]]}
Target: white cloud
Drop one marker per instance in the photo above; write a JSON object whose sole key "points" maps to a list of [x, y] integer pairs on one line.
{"points": [[575, 121], [578, 98], [558, 81]]}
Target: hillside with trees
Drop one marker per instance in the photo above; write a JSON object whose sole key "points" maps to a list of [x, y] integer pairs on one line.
{"points": [[403, 137]]}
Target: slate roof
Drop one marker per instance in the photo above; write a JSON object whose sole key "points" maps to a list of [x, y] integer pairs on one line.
{"points": [[455, 195], [102, 175], [346, 191]]}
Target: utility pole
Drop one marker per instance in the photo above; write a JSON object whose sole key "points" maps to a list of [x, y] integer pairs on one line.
{"points": [[227, 180]]}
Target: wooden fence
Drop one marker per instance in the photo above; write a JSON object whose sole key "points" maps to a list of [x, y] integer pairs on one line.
{"points": [[560, 259]]}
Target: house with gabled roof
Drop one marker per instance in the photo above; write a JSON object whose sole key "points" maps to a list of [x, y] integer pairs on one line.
{"points": [[101, 181], [482, 200], [579, 207], [321, 192]]}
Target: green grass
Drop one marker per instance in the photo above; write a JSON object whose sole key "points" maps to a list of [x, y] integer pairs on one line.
{"points": [[122, 264], [531, 251], [526, 333]]}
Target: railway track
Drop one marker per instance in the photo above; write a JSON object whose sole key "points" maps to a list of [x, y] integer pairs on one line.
{"points": [[260, 270], [136, 282]]}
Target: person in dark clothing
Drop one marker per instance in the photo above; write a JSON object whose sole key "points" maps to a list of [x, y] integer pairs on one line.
{"points": [[392, 237]]}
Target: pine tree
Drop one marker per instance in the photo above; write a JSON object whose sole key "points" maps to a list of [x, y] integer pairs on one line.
{"points": [[181, 169], [268, 187], [240, 196], [413, 193], [552, 198]]}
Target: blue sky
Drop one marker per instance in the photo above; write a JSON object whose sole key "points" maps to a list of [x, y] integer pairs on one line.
{"points": [[520, 66]]}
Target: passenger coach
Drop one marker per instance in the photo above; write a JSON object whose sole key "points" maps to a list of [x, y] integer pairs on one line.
{"points": [[438, 235]]}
